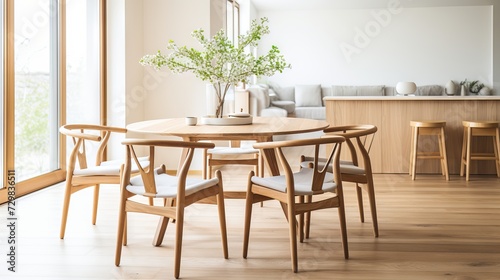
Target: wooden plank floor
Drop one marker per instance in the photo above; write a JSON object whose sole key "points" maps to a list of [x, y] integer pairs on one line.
{"points": [[429, 229]]}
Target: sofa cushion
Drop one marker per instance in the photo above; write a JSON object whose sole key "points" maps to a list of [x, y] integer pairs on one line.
{"points": [[308, 96], [273, 112], [431, 90], [358, 90], [316, 113], [289, 106], [273, 96], [285, 93]]}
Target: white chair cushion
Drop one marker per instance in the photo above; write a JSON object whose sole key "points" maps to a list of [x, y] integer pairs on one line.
{"points": [[302, 180], [111, 167], [166, 185], [232, 151]]}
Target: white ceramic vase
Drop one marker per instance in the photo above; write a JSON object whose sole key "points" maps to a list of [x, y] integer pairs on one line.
{"points": [[451, 88], [463, 90]]}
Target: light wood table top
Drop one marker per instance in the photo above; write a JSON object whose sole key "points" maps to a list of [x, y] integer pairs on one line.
{"points": [[262, 129]]}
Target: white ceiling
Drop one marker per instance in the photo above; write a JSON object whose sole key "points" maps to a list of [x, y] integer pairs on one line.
{"points": [[262, 5]]}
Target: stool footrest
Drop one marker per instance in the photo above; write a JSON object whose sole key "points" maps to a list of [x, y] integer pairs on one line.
{"points": [[482, 156], [429, 155]]}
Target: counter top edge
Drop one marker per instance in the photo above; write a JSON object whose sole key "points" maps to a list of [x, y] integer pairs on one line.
{"points": [[416, 98]]}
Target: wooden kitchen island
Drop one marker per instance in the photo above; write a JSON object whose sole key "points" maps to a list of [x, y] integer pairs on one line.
{"points": [[392, 115]]}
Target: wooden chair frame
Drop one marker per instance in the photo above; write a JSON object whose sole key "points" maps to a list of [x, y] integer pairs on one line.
{"points": [[174, 206], [292, 207], [359, 139], [80, 134]]}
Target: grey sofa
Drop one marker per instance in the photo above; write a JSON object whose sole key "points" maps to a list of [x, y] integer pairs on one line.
{"points": [[306, 101]]}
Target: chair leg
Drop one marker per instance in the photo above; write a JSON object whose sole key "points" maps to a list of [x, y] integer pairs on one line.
{"points": [[293, 233], [359, 194], [414, 154], [441, 154], [248, 215], [96, 203], [410, 168], [496, 147], [67, 199], [343, 229], [179, 228], [467, 167], [301, 222], [308, 218], [373, 205], [125, 235], [122, 217], [205, 163], [444, 155], [222, 215], [464, 150]]}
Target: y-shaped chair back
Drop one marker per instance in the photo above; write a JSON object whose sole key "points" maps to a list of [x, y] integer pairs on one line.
{"points": [[358, 168], [178, 191], [86, 168], [313, 181]]}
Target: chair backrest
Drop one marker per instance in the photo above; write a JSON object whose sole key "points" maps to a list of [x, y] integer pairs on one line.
{"points": [[147, 174], [80, 133], [319, 170], [361, 135]]}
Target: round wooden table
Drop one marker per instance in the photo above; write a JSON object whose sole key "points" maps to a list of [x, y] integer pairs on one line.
{"points": [[262, 129]]}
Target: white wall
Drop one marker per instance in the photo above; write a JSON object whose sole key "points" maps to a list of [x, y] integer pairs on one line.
{"points": [[144, 27], [173, 95], [427, 45]]}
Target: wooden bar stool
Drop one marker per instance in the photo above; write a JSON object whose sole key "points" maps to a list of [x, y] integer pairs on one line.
{"points": [[479, 128], [428, 128]]}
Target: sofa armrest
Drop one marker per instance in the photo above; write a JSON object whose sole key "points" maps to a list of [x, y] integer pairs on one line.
{"points": [[259, 100]]}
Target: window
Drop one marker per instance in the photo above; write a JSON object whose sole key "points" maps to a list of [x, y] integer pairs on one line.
{"points": [[36, 88], [52, 74], [233, 21]]}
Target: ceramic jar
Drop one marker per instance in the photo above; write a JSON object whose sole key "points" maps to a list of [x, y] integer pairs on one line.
{"points": [[451, 88]]}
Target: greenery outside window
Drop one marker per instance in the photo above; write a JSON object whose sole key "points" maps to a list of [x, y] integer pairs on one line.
{"points": [[38, 57]]}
